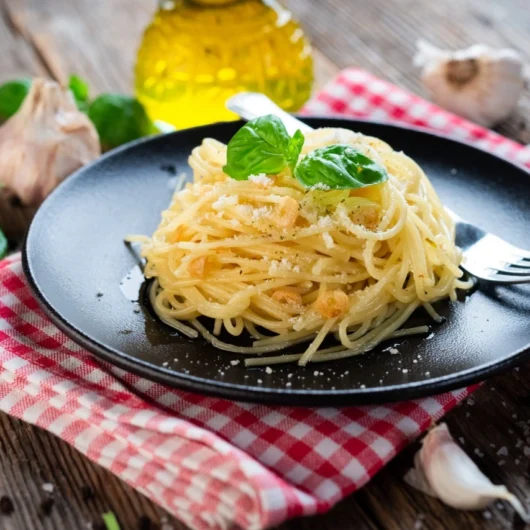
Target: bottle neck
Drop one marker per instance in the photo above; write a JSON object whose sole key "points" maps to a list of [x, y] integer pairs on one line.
{"points": [[283, 16], [170, 4]]}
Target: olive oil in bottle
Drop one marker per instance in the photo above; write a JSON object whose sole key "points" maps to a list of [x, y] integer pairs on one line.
{"points": [[197, 53]]}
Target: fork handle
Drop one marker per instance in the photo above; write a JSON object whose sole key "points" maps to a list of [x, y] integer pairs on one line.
{"points": [[251, 105]]}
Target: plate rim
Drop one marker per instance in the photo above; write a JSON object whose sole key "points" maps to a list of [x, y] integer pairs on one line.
{"points": [[282, 397]]}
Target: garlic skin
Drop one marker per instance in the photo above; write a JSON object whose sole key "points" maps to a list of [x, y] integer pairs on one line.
{"points": [[443, 470], [478, 83], [44, 142]]}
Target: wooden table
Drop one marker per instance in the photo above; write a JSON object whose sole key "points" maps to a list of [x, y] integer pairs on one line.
{"points": [[97, 40]]}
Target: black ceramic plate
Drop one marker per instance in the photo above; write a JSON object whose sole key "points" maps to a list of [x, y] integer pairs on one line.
{"points": [[75, 260]]}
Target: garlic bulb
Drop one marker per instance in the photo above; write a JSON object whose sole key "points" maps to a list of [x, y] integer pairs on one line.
{"points": [[45, 141], [443, 470], [479, 83]]}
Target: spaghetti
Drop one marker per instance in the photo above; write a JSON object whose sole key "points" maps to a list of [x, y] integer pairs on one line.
{"points": [[287, 265]]}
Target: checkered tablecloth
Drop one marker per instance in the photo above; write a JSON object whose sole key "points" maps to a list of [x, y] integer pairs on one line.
{"points": [[213, 463]]}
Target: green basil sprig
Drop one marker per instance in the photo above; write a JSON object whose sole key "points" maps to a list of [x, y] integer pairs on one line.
{"points": [[119, 119], [339, 167], [12, 94], [80, 90], [263, 145]]}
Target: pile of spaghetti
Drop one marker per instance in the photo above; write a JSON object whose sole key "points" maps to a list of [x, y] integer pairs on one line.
{"points": [[288, 265]]}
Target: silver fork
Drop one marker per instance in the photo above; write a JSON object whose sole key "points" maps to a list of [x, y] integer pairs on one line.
{"points": [[485, 255], [489, 257]]}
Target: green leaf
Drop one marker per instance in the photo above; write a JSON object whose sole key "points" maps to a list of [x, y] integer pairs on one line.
{"points": [[110, 521], [262, 145], [295, 148], [3, 245], [12, 95], [119, 119], [339, 167], [80, 90]]}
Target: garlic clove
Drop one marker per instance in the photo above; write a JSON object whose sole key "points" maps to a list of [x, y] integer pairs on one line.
{"points": [[45, 141], [478, 83], [416, 478], [443, 470]]}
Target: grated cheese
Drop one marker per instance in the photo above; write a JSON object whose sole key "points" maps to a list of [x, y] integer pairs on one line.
{"points": [[273, 268], [244, 210], [261, 179], [286, 264], [223, 201], [259, 213], [328, 240], [320, 186], [325, 221], [282, 266]]}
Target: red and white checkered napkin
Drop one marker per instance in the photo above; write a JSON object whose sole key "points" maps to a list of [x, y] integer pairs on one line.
{"points": [[211, 462]]}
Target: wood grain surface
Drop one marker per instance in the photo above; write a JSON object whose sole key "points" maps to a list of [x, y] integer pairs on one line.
{"points": [[97, 39]]}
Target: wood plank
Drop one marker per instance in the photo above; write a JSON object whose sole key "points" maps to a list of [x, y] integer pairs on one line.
{"points": [[18, 58], [484, 425], [325, 70], [96, 40], [30, 457], [380, 36]]}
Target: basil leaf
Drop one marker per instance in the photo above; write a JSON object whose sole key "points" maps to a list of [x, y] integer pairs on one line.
{"points": [[3, 245], [79, 89], [339, 167], [295, 148], [262, 145], [119, 119], [12, 95]]}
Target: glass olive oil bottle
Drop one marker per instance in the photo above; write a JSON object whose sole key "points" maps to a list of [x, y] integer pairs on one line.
{"points": [[197, 53]]}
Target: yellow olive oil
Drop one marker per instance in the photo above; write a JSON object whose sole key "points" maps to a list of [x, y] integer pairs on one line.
{"points": [[197, 53]]}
